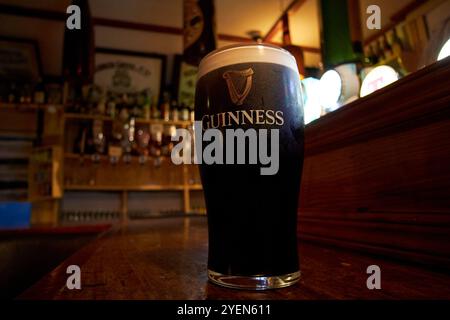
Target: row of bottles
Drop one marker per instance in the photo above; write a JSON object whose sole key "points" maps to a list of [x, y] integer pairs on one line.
{"points": [[100, 215], [25, 93], [385, 48], [85, 216], [124, 139], [90, 99]]}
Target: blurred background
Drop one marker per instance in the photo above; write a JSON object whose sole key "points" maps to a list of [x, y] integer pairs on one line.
{"points": [[87, 115]]}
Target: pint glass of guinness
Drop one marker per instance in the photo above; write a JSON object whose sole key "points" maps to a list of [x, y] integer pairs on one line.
{"points": [[248, 101]]}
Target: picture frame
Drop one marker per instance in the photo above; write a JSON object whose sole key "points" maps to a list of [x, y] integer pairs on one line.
{"points": [[20, 60], [124, 72], [184, 78]]}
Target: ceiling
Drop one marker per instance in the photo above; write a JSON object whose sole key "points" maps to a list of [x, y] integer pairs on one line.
{"points": [[233, 17]]}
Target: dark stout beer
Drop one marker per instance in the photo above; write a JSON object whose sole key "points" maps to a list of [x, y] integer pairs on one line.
{"points": [[252, 218]]}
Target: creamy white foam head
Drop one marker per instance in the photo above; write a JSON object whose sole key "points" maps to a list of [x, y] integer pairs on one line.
{"points": [[243, 53]]}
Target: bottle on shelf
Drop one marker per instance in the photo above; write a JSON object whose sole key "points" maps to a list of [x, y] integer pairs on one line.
{"points": [[156, 142], [381, 56], [90, 146], [372, 58], [140, 98], [192, 114], [397, 45], [184, 113], [165, 107], [387, 49], [140, 105], [115, 146], [101, 106], [142, 143], [93, 100], [21, 97], [155, 113], [377, 51], [84, 107], [135, 105], [72, 95], [122, 106], [174, 115], [84, 143], [99, 140], [110, 105], [25, 96], [13, 93], [166, 143], [80, 141], [128, 143]]}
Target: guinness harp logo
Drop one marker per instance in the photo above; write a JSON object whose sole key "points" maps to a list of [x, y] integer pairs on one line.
{"points": [[239, 80]]}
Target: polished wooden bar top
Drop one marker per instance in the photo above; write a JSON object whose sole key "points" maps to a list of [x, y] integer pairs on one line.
{"points": [[166, 259]]}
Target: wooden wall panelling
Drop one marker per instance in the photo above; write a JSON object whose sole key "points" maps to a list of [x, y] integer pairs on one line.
{"points": [[18, 123], [45, 213], [377, 172]]}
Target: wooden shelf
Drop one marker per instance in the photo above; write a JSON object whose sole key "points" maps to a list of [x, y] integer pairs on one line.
{"points": [[27, 106], [197, 212], [125, 188], [179, 187], [104, 158], [17, 135], [180, 123], [195, 187], [80, 116], [69, 155], [42, 198], [164, 178]]}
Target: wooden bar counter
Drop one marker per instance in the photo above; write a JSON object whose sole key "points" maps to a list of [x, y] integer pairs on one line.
{"points": [[375, 191], [166, 259]]}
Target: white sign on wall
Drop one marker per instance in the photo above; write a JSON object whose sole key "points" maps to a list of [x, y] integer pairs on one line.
{"points": [[129, 72], [378, 78]]}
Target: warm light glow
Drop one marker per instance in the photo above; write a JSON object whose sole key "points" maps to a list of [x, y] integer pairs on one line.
{"points": [[378, 78], [330, 87], [350, 82], [311, 92], [445, 51]]}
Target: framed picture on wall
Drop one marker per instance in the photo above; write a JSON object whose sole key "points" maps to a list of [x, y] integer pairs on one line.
{"points": [[19, 61], [125, 72], [184, 79]]}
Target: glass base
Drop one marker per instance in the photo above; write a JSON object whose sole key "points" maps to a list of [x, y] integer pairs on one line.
{"points": [[255, 282]]}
